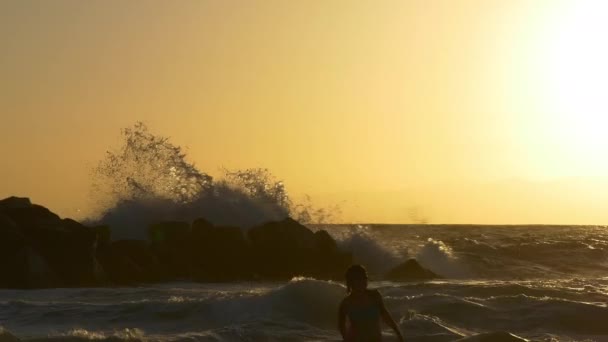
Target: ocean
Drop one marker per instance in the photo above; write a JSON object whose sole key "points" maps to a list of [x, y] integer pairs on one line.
{"points": [[543, 283]]}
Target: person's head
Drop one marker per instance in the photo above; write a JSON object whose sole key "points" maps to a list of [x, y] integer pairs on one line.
{"points": [[356, 278]]}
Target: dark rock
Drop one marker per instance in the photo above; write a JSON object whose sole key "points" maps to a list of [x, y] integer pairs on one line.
{"points": [[171, 242], [169, 232], [69, 248], [13, 262], [15, 203], [104, 235], [330, 259], [410, 271], [39, 239], [284, 249], [219, 253], [39, 272], [21, 266], [128, 262]]}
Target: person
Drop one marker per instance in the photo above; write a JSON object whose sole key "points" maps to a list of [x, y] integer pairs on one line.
{"points": [[364, 309]]}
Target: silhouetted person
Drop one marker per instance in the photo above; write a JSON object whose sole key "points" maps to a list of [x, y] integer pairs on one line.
{"points": [[364, 309]]}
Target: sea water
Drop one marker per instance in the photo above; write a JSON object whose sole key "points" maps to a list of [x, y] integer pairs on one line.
{"points": [[544, 283]]}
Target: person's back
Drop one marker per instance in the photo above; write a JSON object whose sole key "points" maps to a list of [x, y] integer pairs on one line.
{"points": [[364, 309], [364, 313]]}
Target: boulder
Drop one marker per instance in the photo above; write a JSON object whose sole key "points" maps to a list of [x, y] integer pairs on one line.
{"points": [[169, 233], [13, 262], [15, 203], [39, 236], [410, 271], [284, 249], [70, 250], [219, 253], [170, 241], [21, 266], [128, 262], [104, 235]]}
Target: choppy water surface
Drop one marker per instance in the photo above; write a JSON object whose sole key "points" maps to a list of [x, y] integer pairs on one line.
{"points": [[543, 283]]}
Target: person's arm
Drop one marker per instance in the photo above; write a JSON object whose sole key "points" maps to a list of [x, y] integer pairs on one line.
{"points": [[387, 318], [342, 320]]}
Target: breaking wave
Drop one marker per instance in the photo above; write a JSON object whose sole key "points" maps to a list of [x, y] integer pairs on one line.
{"points": [[148, 179], [439, 258]]}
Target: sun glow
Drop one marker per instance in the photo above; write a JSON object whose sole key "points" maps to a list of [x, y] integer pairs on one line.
{"points": [[578, 76]]}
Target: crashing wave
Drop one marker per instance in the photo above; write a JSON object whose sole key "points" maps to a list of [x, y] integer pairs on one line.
{"points": [[439, 258], [148, 179]]}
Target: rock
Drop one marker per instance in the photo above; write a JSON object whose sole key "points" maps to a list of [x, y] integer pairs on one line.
{"points": [[38, 236], [15, 203], [169, 232], [219, 253], [22, 267], [284, 249], [34, 216], [39, 273], [410, 271], [128, 262], [104, 235], [13, 262], [69, 248], [171, 243]]}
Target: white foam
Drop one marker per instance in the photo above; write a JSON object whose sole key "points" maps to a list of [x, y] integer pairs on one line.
{"points": [[439, 258]]}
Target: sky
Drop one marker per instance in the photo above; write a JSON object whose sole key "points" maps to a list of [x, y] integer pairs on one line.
{"points": [[470, 111]]}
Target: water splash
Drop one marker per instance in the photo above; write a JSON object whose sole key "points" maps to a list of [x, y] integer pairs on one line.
{"points": [[148, 179], [439, 258], [366, 250]]}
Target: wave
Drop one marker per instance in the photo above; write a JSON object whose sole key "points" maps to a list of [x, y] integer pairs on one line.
{"points": [[439, 258], [305, 309], [303, 300], [148, 180], [366, 250]]}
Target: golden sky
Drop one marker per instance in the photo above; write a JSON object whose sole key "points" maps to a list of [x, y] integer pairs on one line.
{"points": [[468, 111]]}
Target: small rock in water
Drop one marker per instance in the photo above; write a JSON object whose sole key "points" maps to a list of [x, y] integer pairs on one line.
{"points": [[410, 270]]}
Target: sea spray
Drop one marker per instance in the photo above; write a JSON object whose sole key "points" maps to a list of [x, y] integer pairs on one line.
{"points": [[439, 258], [367, 251], [148, 179]]}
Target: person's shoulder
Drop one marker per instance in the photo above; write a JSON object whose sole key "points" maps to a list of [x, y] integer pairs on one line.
{"points": [[345, 300], [344, 304], [375, 294]]}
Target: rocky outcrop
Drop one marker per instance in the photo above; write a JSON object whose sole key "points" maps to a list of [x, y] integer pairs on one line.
{"points": [[39, 249], [410, 271], [286, 248], [128, 262], [169, 241], [219, 253]]}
